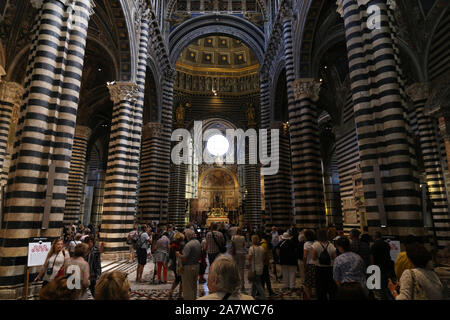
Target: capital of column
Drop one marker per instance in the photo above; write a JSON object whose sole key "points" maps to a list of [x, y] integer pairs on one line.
{"points": [[83, 132], [170, 73], [418, 91], [119, 91], [11, 92], [306, 88], [340, 7], [152, 129], [37, 4]]}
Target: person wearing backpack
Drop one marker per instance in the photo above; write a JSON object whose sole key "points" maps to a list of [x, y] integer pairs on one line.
{"points": [[323, 254], [131, 241], [143, 243]]}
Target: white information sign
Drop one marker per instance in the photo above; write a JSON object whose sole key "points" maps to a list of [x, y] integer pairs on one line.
{"points": [[38, 249]]}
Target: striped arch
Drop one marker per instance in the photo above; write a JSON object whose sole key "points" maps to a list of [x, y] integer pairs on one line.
{"points": [[206, 25], [305, 32]]}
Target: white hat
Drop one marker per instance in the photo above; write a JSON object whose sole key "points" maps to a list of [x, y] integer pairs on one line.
{"points": [[286, 236]]}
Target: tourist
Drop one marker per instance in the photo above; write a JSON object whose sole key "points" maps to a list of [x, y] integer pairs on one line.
{"points": [[360, 247], [175, 263], [190, 259], [324, 254], [275, 240], [256, 266], [142, 246], [239, 252], [348, 267], [113, 286], [132, 238], [402, 262], [224, 281], [301, 249], [288, 254], [266, 269], [57, 259], [74, 243], [162, 255], [79, 261], [203, 263], [214, 243], [86, 233], [418, 283], [58, 289], [309, 264], [95, 266], [380, 256]]}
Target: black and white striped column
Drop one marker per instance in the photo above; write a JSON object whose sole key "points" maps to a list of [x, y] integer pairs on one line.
{"points": [[304, 131], [75, 188], [305, 153], [122, 174], [165, 143], [278, 187], [177, 195], [119, 205], [152, 176], [10, 99], [419, 93], [252, 176], [389, 171], [45, 131]]}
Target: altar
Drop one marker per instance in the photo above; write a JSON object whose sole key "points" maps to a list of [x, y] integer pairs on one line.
{"points": [[217, 215]]}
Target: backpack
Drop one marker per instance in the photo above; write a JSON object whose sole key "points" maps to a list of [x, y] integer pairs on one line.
{"points": [[324, 257], [139, 242], [133, 237]]}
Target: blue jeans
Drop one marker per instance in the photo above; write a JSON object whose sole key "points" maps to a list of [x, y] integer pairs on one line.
{"points": [[257, 288]]}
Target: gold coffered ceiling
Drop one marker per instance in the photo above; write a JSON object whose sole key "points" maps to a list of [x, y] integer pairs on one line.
{"points": [[217, 54]]}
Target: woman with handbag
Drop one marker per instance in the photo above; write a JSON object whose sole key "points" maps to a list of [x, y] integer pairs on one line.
{"points": [[54, 264], [256, 266], [419, 283]]}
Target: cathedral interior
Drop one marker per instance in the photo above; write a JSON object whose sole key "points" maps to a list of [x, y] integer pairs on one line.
{"points": [[92, 90]]}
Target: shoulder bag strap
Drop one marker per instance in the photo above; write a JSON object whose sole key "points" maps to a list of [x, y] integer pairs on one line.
{"points": [[226, 296]]}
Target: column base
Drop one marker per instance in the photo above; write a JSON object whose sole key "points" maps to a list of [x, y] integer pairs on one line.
{"points": [[115, 256], [16, 292]]}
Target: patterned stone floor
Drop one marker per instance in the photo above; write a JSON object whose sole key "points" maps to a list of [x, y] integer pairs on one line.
{"points": [[150, 291]]}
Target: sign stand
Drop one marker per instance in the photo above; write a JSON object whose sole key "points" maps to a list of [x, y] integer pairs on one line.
{"points": [[27, 281]]}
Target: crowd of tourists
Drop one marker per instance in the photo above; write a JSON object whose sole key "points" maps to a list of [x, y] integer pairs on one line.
{"points": [[321, 264]]}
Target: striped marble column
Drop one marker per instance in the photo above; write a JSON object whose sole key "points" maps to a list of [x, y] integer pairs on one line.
{"points": [[419, 93], [388, 166], [75, 188], [304, 131], [10, 99], [152, 177], [305, 153], [252, 174], [278, 187], [119, 205], [165, 143], [44, 133], [177, 195]]}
